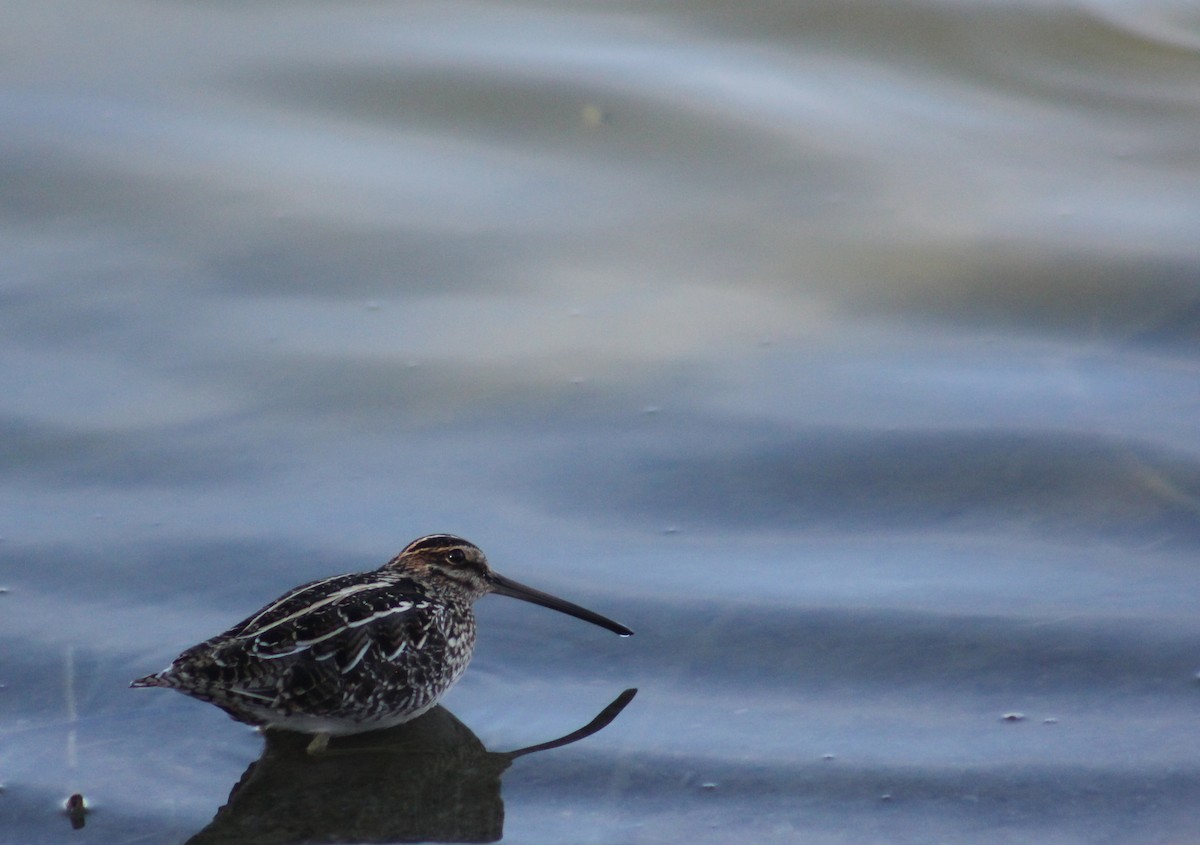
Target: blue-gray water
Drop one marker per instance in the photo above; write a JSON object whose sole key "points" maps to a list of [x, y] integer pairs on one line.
{"points": [[848, 352]]}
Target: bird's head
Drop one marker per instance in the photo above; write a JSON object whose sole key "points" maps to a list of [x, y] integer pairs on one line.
{"points": [[458, 563]]}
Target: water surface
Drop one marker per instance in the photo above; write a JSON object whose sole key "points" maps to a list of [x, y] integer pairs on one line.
{"points": [[848, 354]]}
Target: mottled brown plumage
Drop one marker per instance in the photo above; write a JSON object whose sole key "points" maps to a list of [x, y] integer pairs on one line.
{"points": [[356, 652]]}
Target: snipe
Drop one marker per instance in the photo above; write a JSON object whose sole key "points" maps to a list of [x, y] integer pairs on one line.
{"points": [[355, 652]]}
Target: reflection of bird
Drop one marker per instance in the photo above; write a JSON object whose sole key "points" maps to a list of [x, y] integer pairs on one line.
{"points": [[428, 780], [357, 652]]}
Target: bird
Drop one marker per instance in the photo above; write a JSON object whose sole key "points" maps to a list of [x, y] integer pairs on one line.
{"points": [[357, 652]]}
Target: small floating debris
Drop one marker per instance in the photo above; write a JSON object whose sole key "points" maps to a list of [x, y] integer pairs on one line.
{"points": [[708, 786], [593, 116], [1013, 717], [887, 796], [671, 529], [828, 757], [1050, 720], [76, 809]]}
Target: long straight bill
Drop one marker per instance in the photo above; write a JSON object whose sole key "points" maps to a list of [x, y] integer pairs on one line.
{"points": [[502, 586]]}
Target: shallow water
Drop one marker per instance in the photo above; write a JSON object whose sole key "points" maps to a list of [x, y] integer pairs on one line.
{"points": [[848, 354]]}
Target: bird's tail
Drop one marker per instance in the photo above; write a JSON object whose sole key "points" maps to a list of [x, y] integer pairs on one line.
{"points": [[158, 679]]}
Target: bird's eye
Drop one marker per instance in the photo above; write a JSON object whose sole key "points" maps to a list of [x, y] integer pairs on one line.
{"points": [[456, 556]]}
